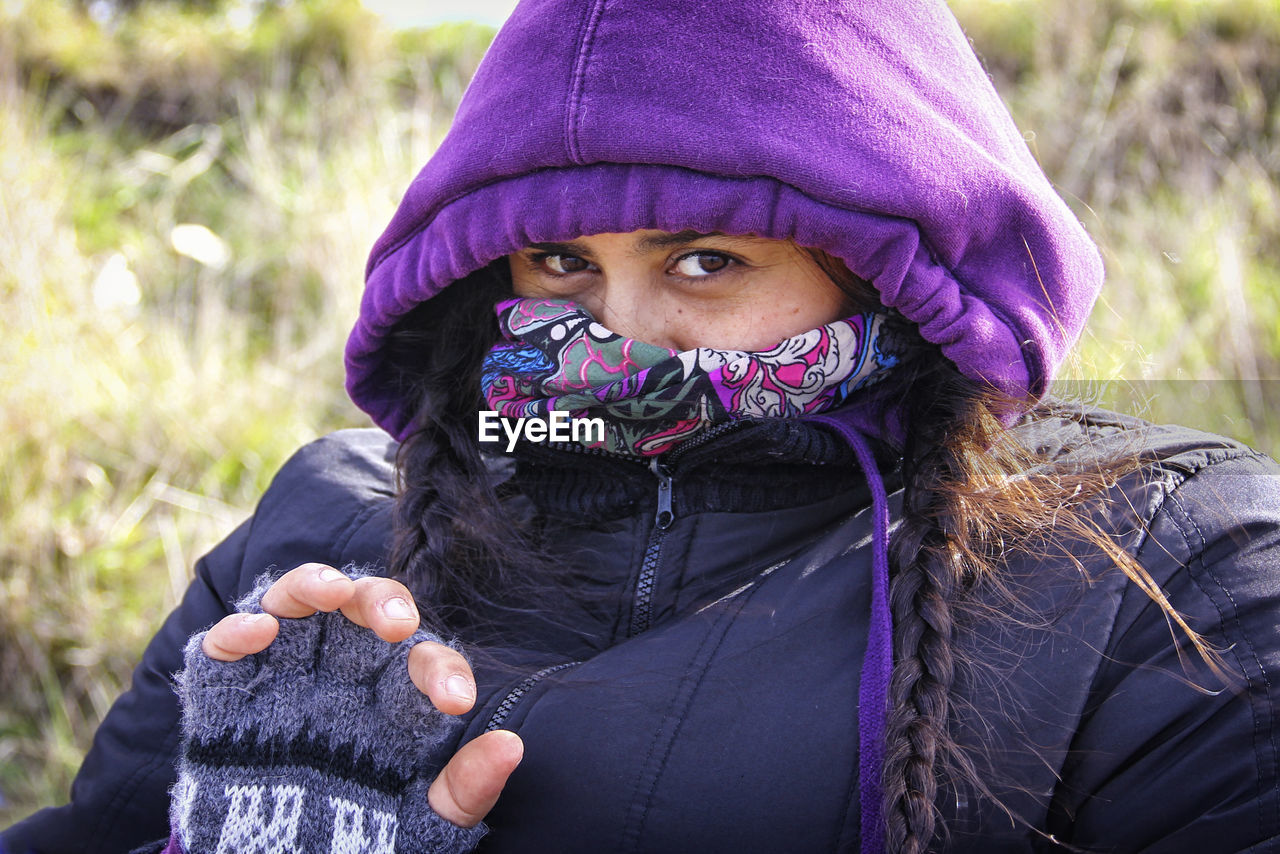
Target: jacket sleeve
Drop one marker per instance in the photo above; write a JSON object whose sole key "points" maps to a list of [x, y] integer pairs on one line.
{"points": [[330, 502], [1169, 757]]}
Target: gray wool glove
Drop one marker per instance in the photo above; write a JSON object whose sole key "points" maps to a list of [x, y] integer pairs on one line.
{"points": [[319, 743]]}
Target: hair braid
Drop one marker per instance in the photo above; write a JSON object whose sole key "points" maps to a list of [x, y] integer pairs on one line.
{"points": [[434, 480], [921, 597], [973, 496], [455, 543]]}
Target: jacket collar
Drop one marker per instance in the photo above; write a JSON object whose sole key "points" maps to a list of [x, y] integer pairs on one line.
{"points": [[744, 467]]}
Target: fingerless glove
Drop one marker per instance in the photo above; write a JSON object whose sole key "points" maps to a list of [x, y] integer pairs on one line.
{"points": [[319, 743]]}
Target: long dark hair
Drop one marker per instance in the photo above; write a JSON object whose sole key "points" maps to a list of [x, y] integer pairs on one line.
{"points": [[973, 497], [454, 545]]}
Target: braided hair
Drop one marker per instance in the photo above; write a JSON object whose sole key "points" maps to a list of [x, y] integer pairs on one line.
{"points": [[456, 544], [973, 497]]}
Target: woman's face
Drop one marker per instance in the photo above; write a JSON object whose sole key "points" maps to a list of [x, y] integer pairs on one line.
{"points": [[685, 290]]}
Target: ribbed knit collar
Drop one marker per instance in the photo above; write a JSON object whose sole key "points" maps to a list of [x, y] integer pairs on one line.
{"points": [[751, 466]]}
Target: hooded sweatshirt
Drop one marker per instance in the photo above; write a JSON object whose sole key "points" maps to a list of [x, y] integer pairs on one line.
{"points": [[865, 129]]}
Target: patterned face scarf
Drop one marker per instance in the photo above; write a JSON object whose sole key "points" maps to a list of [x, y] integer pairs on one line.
{"points": [[555, 357]]}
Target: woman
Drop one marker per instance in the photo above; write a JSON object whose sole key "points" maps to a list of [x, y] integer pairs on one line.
{"points": [[829, 579]]}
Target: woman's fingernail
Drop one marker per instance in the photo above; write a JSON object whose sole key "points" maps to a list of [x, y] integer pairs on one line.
{"points": [[329, 574], [249, 619], [459, 687], [397, 609]]}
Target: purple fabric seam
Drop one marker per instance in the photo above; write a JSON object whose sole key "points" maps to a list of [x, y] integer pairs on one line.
{"points": [[573, 115], [877, 661]]}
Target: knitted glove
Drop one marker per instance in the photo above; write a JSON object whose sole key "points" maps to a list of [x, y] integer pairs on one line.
{"points": [[316, 744]]}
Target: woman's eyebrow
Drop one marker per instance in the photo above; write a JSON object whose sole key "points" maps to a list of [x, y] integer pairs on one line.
{"points": [[680, 238], [569, 248]]}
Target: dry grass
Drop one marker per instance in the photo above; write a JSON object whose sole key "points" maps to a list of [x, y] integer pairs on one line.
{"points": [[149, 396], [1158, 121]]}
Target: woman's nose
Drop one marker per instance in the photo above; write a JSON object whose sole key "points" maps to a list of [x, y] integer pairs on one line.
{"points": [[629, 303]]}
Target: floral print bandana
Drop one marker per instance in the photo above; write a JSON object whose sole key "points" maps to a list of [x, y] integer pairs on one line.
{"points": [[555, 357]]}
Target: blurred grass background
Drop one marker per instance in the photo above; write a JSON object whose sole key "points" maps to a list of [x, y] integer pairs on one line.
{"points": [[188, 191]]}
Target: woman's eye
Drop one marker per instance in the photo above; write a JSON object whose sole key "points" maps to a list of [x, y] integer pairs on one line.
{"points": [[564, 264], [701, 264]]}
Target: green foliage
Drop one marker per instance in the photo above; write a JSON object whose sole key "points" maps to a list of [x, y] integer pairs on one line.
{"points": [[188, 196]]}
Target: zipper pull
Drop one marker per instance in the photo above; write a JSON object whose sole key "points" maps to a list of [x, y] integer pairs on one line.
{"points": [[665, 515]]}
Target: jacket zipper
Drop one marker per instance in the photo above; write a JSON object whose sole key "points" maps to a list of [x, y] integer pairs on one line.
{"points": [[646, 581], [642, 604], [512, 699]]}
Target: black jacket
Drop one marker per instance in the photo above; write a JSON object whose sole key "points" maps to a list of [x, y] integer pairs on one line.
{"points": [[704, 698]]}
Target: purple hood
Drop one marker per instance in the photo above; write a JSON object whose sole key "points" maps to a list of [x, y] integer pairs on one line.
{"points": [[866, 128]]}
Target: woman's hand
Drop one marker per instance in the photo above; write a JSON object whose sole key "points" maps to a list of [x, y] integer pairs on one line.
{"points": [[469, 785]]}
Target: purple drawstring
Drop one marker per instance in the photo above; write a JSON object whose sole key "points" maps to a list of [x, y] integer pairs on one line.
{"points": [[877, 661]]}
